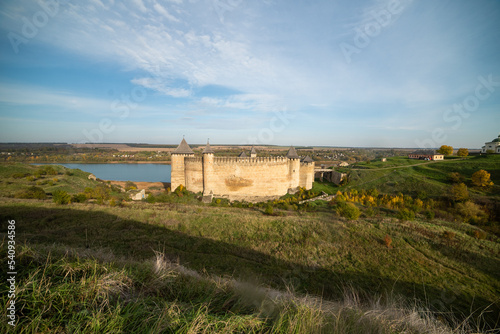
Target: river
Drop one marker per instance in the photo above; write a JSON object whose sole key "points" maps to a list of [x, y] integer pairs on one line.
{"points": [[126, 172]]}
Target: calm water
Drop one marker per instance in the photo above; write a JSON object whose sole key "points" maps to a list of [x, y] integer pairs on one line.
{"points": [[126, 172]]}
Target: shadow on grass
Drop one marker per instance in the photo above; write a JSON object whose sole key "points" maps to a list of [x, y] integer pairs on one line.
{"points": [[100, 230]]}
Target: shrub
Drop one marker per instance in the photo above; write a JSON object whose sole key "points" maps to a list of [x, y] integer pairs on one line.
{"points": [[114, 201], [406, 214], [61, 197], [449, 235], [20, 175], [68, 172], [388, 241], [348, 210], [471, 212], [180, 191], [79, 198], [459, 192], [429, 214], [456, 177], [370, 212], [31, 193], [49, 170], [269, 210], [479, 234], [129, 185]]}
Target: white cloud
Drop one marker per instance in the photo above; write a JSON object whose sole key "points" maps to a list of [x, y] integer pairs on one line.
{"points": [[160, 9]]}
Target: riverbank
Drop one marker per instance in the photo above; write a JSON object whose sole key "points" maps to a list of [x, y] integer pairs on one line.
{"points": [[153, 187], [102, 162]]}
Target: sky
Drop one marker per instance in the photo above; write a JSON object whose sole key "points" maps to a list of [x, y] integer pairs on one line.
{"points": [[379, 73]]}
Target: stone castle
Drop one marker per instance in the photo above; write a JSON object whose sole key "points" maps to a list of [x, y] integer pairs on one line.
{"points": [[240, 178]]}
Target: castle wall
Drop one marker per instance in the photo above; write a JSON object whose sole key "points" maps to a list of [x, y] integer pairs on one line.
{"points": [[194, 174], [177, 174], [236, 177], [240, 178], [306, 177]]}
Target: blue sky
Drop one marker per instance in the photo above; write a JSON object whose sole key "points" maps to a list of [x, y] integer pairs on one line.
{"points": [[390, 73]]}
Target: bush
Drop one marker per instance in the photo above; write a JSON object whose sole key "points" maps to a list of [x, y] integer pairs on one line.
{"points": [[388, 241], [114, 201], [20, 175], [471, 212], [370, 212], [406, 214], [429, 214], [79, 198], [31, 193], [459, 192], [129, 185], [449, 235], [348, 210], [456, 177], [49, 170], [269, 210], [481, 235], [61, 197]]}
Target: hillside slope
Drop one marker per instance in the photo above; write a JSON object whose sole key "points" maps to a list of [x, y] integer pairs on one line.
{"points": [[319, 254]]}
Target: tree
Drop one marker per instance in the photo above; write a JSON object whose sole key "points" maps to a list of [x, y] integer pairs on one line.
{"points": [[61, 197], [481, 178], [459, 192], [456, 177], [445, 149], [463, 152]]}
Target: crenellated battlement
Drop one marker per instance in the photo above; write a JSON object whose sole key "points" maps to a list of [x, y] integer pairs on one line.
{"points": [[249, 161]]}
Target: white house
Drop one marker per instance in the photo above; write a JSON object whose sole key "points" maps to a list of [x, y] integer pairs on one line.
{"points": [[492, 146]]}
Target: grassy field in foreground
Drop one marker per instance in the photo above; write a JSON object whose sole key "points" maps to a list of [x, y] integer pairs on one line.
{"points": [[101, 269]]}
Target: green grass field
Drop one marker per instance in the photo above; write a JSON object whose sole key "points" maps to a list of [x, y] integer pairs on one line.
{"points": [[186, 267], [394, 176]]}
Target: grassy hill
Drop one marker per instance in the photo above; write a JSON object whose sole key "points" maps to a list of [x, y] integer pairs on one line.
{"points": [[399, 175], [111, 252], [16, 177], [187, 267]]}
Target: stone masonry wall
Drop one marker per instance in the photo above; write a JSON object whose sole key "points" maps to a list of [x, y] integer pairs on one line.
{"points": [[306, 177], [177, 174], [241, 178], [249, 176], [194, 174]]}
